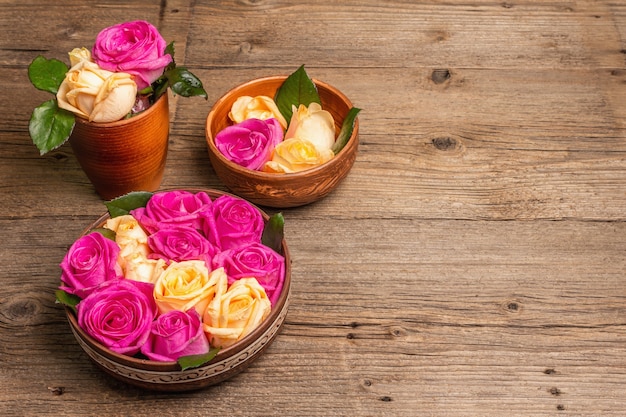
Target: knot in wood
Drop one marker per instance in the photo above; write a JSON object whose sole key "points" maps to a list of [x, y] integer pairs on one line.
{"points": [[245, 47], [512, 306], [440, 76], [59, 156], [251, 2], [56, 390], [22, 311], [397, 331], [444, 143]]}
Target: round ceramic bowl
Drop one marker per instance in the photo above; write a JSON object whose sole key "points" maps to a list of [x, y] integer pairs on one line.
{"points": [[281, 190], [168, 376]]}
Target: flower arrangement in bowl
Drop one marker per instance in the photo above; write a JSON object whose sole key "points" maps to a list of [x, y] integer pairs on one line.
{"points": [[177, 290], [111, 104], [282, 141]]}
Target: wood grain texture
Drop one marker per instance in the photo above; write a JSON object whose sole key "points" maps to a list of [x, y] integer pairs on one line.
{"points": [[472, 262]]}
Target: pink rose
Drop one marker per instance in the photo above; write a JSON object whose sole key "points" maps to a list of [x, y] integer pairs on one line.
{"points": [[173, 208], [175, 334], [250, 143], [257, 261], [119, 315], [90, 261], [136, 48], [180, 244], [234, 222]]}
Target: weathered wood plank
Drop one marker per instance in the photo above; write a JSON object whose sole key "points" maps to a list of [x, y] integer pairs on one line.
{"points": [[472, 262], [478, 34], [478, 323], [466, 149]]}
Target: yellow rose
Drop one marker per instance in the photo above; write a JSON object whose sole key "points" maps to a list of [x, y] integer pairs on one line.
{"points": [[79, 54], [312, 124], [293, 155], [96, 94], [134, 250], [259, 107], [236, 311], [184, 285]]}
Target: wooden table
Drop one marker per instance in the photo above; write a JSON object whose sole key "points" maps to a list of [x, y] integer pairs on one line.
{"points": [[471, 264]]}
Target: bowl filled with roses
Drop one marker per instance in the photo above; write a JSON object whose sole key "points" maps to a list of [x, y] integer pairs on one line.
{"points": [[177, 290], [283, 141]]}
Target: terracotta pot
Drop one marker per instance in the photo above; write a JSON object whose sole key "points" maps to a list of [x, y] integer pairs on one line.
{"points": [[127, 155], [281, 190]]}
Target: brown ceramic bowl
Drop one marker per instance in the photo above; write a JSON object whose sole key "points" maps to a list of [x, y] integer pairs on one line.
{"points": [[168, 376], [281, 190]]}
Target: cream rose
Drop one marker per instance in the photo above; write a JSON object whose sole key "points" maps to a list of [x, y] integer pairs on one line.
{"points": [[128, 235], [79, 54], [134, 250], [96, 94], [185, 285], [235, 311], [312, 124], [140, 268], [259, 107], [293, 155]]}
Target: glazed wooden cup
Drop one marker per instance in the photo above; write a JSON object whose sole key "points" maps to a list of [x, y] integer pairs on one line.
{"points": [[281, 190], [124, 156], [168, 376]]}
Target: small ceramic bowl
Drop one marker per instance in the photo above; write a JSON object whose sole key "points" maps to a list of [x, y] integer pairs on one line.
{"points": [[168, 376], [281, 190]]}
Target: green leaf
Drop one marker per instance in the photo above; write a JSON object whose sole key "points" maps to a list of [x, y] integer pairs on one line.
{"points": [[159, 87], [184, 83], [346, 130], [47, 74], [50, 126], [108, 233], [180, 80], [193, 361], [169, 49], [273, 232], [149, 89], [67, 299], [297, 89], [124, 204]]}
